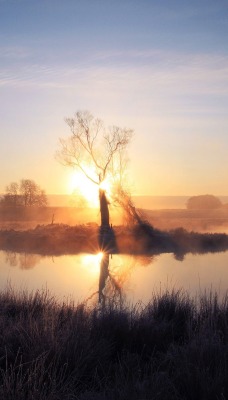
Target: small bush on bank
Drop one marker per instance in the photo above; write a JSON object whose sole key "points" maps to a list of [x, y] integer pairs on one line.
{"points": [[173, 348]]}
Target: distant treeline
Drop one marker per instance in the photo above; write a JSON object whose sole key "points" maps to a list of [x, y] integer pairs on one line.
{"points": [[26, 193]]}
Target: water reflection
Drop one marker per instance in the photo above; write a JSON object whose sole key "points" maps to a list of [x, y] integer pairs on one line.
{"points": [[92, 278], [115, 272], [111, 278], [22, 260], [108, 284], [106, 273]]}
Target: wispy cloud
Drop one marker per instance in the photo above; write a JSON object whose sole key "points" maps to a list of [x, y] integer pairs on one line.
{"points": [[14, 52], [157, 75]]}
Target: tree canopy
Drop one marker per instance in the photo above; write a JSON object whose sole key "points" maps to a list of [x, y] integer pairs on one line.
{"points": [[93, 148], [97, 151]]}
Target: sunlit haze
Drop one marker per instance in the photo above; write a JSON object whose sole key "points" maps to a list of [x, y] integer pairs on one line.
{"points": [[80, 186], [158, 67]]}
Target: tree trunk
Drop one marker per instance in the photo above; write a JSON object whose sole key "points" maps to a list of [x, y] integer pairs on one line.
{"points": [[104, 208]]}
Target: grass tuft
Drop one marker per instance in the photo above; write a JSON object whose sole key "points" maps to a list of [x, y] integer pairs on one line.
{"points": [[173, 348]]}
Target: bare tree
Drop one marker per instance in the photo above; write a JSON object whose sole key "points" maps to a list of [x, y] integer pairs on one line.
{"points": [[25, 194], [95, 151], [12, 194], [31, 194]]}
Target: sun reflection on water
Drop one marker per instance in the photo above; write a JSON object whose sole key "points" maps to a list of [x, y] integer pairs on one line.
{"points": [[92, 262]]}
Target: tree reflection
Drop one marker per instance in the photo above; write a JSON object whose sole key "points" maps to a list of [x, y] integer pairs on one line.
{"points": [[113, 272], [108, 285], [104, 273], [22, 260], [11, 258], [113, 278]]}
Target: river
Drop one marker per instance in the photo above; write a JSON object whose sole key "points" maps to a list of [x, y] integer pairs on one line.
{"points": [[133, 277]]}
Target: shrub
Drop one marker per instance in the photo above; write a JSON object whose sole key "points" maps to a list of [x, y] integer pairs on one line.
{"points": [[203, 202]]}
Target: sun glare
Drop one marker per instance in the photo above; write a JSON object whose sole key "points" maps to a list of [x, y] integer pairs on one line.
{"points": [[92, 262], [99, 255], [105, 185], [79, 184]]}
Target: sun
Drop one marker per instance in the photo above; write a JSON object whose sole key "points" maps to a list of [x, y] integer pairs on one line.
{"points": [[106, 185], [79, 184]]}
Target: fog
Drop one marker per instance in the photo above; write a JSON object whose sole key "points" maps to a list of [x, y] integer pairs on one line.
{"points": [[163, 219]]}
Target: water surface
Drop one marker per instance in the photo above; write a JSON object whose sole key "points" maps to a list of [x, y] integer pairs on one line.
{"points": [[133, 277]]}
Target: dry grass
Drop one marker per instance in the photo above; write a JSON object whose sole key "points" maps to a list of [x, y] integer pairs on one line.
{"points": [[174, 348]]}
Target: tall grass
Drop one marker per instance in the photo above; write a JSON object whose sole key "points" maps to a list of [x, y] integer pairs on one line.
{"points": [[173, 348]]}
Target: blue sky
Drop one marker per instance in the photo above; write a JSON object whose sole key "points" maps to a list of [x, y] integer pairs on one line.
{"points": [[158, 67]]}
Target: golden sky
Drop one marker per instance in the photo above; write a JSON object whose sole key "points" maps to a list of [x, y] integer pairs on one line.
{"points": [[160, 68]]}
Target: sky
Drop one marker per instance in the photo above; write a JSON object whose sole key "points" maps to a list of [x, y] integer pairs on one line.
{"points": [[159, 67]]}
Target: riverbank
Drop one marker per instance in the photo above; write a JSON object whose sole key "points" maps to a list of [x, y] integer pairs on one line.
{"points": [[172, 348], [60, 239]]}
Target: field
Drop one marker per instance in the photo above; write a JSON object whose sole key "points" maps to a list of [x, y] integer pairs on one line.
{"points": [[163, 219], [25, 218], [191, 220]]}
